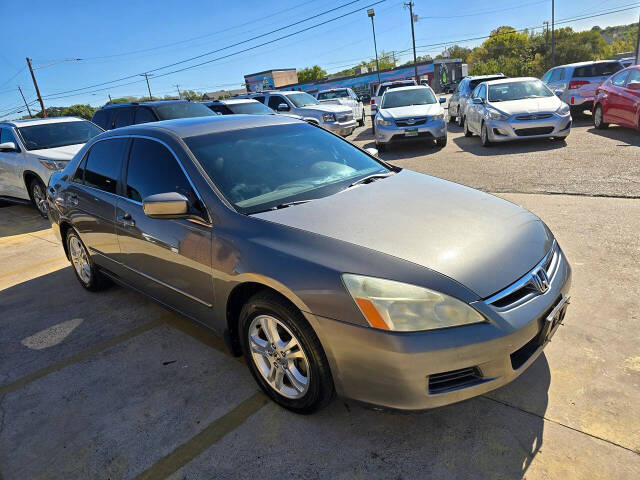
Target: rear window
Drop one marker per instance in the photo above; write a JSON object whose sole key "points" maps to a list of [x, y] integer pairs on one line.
{"points": [[102, 118], [597, 70], [169, 111], [333, 94], [474, 83], [384, 88]]}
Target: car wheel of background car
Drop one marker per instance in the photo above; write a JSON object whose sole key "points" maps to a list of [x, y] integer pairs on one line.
{"points": [[577, 112], [284, 354], [484, 136], [441, 142], [381, 147], [460, 120], [86, 273], [373, 124], [467, 132], [39, 196], [598, 118], [362, 120]]}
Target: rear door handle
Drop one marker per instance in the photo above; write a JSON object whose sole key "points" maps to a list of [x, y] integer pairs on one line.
{"points": [[126, 220]]}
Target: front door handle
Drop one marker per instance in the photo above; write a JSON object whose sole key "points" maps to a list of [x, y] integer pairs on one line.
{"points": [[126, 220]]}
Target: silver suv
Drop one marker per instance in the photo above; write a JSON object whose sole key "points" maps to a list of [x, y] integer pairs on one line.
{"points": [[335, 118]]}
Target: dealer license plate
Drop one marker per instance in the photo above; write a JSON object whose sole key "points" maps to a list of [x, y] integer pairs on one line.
{"points": [[412, 132], [553, 320]]}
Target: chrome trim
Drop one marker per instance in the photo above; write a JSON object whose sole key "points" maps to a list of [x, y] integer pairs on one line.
{"points": [[549, 264], [160, 282]]}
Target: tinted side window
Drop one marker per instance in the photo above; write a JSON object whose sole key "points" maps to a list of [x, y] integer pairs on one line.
{"points": [[222, 109], [557, 74], [475, 92], [153, 169], [547, 77], [482, 92], [101, 118], [619, 79], [124, 117], [103, 164], [6, 135], [144, 115], [634, 76], [275, 100], [78, 177], [260, 99]]}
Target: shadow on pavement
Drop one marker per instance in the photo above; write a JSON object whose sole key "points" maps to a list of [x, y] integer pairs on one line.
{"points": [[19, 219], [627, 136], [473, 146]]}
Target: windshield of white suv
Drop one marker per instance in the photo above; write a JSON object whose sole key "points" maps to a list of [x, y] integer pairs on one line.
{"points": [[302, 99], [505, 92], [404, 98], [333, 94], [277, 164], [61, 134], [171, 110], [250, 108]]}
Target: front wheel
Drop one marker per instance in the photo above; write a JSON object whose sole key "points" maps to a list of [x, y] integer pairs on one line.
{"points": [[598, 118], [441, 142], [284, 354], [38, 195], [484, 136], [381, 147]]}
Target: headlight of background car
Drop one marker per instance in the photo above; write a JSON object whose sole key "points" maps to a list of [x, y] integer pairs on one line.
{"points": [[496, 115], [439, 116], [383, 122], [328, 117], [52, 164], [563, 109], [391, 305]]}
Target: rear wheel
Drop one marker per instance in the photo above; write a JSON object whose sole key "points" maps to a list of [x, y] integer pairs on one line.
{"points": [[38, 196], [460, 119], [361, 121], [284, 354], [484, 135], [84, 268], [598, 118]]}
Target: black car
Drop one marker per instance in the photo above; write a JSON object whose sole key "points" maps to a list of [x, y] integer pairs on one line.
{"points": [[235, 106], [133, 113]]}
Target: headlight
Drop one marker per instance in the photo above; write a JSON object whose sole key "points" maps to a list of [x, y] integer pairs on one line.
{"points": [[383, 122], [390, 305], [51, 164], [563, 109], [328, 117], [496, 115], [440, 116]]}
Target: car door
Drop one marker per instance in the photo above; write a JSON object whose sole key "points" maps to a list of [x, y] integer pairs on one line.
{"points": [[275, 100], [475, 111], [630, 100], [11, 163], [615, 101], [91, 197], [169, 259]]}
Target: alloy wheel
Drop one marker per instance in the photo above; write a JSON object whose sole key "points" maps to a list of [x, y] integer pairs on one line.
{"points": [[279, 356], [80, 259], [39, 198]]}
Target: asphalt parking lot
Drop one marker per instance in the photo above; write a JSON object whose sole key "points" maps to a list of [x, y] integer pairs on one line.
{"points": [[112, 385]]}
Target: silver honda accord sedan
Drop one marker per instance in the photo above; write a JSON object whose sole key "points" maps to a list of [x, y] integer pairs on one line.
{"points": [[331, 271]]}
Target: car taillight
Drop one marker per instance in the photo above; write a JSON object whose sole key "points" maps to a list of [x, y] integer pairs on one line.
{"points": [[577, 84], [373, 102]]}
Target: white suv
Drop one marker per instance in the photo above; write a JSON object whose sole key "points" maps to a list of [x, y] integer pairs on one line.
{"points": [[335, 118], [31, 150], [346, 97]]}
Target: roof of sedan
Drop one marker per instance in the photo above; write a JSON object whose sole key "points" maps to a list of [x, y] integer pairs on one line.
{"points": [[408, 87], [191, 127], [509, 80], [41, 121], [230, 101]]}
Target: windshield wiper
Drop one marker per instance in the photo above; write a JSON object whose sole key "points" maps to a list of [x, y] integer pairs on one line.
{"points": [[289, 204], [371, 178]]}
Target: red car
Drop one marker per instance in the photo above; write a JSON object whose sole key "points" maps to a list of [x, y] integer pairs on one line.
{"points": [[618, 100]]}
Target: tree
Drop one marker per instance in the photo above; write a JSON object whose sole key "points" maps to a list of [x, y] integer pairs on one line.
{"points": [[82, 111], [310, 74], [455, 51], [191, 95]]}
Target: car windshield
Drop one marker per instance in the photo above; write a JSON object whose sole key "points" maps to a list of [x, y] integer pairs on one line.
{"points": [[504, 92], [250, 108], [280, 163], [333, 94], [171, 110], [302, 99], [403, 98], [61, 134]]}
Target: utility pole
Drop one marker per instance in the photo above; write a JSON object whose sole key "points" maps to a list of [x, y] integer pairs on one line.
{"points": [[109, 95], [372, 14], [546, 43], [638, 45], [179, 94], [413, 38], [146, 76], [35, 84], [25, 102], [553, 33]]}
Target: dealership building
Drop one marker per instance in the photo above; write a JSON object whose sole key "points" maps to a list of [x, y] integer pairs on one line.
{"points": [[437, 73]]}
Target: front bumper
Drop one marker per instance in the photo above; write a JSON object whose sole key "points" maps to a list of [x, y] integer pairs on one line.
{"points": [[394, 369], [431, 130], [513, 129], [341, 128]]}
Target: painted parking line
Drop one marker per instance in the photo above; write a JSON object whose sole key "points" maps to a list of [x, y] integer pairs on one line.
{"points": [[214, 432], [79, 357]]}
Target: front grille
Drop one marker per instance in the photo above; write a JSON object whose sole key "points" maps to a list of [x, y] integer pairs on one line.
{"points": [[534, 116], [416, 121], [525, 288], [420, 135], [454, 379], [525, 132]]}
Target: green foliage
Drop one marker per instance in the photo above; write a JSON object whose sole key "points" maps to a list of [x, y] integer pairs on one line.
{"points": [[83, 111], [310, 74], [191, 95]]}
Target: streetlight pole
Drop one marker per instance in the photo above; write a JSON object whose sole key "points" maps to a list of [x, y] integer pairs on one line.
{"points": [[413, 38], [553, 33], [372, 14]]}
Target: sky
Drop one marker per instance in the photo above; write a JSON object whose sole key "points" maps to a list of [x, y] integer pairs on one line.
{"points": [[125, 38]]}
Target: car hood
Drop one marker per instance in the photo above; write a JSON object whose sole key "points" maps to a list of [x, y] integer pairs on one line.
{"points": [[327, 107], [65, 153], [412, 111], [481, 241], [528, 105]]}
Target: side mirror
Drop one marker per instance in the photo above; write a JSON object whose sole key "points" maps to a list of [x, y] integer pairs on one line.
{"points": [[442, 99], [630, 86], [166, 205], [372, 151], [8, 147], [558, 92], [283, 107], [477, 101]]}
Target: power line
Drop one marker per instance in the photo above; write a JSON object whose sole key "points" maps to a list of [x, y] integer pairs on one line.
{"points": [[485, 12]]}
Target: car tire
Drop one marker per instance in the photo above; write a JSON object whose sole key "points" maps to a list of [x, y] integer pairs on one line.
{"points": [[576, 112], [598, 118], [484, 135], [373, 124], [467, 132], [362, 120], [460, 119], [381, 147], [284, 354], [38, 193], [83, 267], [441, 142]]}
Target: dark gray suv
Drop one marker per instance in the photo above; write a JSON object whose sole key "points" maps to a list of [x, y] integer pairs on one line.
{"points": [[134, 113], [328, 269]]}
